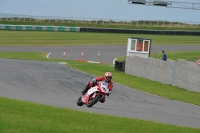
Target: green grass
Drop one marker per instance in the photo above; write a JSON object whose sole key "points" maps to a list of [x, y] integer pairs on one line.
{"points": [[185, 55], [45, 38], [23, 55], [27, 56], [121, 58], [133, 25], [26, 117]]}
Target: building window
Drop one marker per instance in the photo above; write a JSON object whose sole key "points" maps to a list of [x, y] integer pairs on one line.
{"points": [[133, 44], [139, 45], [146, 46]]}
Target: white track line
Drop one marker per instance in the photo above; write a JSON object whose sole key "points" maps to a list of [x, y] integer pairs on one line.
{"points": [[48, 55], [63, 63], [93, 62], [114, 61]]}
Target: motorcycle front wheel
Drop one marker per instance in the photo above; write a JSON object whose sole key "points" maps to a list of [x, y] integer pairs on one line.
{"points": [[93, 101], [79, 102]]}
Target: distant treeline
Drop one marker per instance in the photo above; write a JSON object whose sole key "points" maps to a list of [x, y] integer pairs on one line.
{"points": [[78, 22]]}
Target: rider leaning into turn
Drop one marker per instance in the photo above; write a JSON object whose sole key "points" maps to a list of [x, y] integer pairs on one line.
{"points": [[107, 78]]}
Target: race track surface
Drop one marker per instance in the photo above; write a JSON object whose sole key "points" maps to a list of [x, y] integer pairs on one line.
{"points": [[58, 85]]}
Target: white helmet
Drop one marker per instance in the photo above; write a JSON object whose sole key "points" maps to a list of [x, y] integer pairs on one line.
{"points": [[108, 76]]}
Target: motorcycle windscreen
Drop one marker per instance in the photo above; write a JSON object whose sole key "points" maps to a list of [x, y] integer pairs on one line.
{"points": [[104, 87]]}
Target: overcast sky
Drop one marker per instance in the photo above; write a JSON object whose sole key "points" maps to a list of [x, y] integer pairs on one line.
{"points": [[105, 9]]}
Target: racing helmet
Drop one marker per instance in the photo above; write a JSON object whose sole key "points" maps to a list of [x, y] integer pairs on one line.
{"points": [[108, 77]]}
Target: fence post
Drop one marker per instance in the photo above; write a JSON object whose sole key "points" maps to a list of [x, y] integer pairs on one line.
{"points": [[174, 74]]}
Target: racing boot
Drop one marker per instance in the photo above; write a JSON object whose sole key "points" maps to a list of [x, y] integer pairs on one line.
{"points": [[86, 88]]}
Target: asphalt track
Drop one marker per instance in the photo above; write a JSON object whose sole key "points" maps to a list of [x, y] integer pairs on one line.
{"points": [[58, 85]]}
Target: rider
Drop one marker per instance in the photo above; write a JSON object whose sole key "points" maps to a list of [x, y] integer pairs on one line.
{"points": [[107, 78]]}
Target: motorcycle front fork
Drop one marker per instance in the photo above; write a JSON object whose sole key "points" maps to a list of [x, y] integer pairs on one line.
{"points": [[102, 96], [94, 95]]}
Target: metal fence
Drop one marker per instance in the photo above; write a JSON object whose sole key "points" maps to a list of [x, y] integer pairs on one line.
{"points": [[95, 21]]}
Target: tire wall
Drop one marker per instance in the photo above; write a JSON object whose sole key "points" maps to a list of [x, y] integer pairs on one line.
{"points": [[132, 31]]}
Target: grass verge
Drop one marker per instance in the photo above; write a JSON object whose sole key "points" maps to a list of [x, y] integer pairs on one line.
{"points": [[185, 55], [45, 38], [26, 117]]}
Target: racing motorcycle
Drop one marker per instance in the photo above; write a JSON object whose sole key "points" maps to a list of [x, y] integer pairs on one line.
{"points": [[94, 94]]}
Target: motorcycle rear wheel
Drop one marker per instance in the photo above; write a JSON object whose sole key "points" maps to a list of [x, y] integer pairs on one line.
{"points": [[93, 101], [79, 102]]}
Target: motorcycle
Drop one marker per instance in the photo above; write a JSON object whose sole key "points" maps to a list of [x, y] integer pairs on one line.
{"points": [[94, 94]]}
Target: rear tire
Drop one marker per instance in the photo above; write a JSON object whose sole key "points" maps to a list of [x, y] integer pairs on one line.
{"points": [[79, 102], [95, 100]]}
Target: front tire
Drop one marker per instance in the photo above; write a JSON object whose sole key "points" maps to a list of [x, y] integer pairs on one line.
{"points": [[79, 102], [93, 101]]}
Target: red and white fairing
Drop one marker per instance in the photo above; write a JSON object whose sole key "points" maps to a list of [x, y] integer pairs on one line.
{"points": [[102, 87]]}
